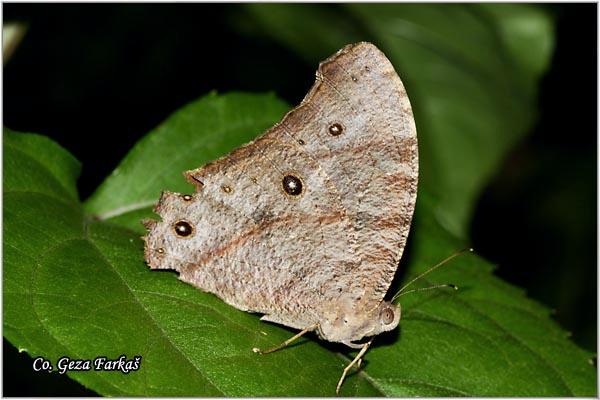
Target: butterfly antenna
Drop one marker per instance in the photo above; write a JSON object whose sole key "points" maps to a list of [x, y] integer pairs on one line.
{"points": [[436, 266], [445, 285]]}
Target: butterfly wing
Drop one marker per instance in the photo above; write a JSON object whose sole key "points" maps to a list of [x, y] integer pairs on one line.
{"points": [[331, 240]]}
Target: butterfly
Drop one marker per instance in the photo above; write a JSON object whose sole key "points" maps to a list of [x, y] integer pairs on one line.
{"points": [[306, 224]]}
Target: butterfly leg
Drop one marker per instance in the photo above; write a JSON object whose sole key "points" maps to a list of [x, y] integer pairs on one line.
{"points": [[357, 360], [287, 342]]}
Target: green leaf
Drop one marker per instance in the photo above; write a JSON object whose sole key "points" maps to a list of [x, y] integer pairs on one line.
{"points": [[78, 286], [53, 171], [471, 72], [210, 127]]}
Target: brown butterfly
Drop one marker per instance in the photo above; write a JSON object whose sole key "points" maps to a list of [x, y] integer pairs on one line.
{"points": [[306, 224]]}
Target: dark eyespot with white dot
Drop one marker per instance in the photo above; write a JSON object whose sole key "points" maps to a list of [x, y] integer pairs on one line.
{"points": [[183, 228], [187, 197], [387, 316], [336, 129], [292, 185]]}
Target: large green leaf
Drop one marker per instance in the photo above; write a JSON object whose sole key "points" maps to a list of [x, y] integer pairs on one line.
{"points": [[470, 70], [77, 285]]}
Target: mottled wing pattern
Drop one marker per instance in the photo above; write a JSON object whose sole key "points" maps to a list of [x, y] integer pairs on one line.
{"points": [[374, 162], [351, 144]]}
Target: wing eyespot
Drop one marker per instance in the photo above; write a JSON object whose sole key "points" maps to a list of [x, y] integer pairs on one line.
{"points": [[336, 129], [183, 228], [292, 185]]}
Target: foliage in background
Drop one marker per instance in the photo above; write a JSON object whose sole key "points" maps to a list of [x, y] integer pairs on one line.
{"points": [[78, 286]]}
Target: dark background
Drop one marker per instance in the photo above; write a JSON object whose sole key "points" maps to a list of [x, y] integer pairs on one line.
{"points": [[97, 77]]}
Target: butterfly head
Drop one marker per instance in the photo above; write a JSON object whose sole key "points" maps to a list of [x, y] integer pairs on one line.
{"points": [[349, 327]]}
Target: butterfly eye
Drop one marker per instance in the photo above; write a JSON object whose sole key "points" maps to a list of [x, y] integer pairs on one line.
{"points": [[387, 316], [183, 228]]}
